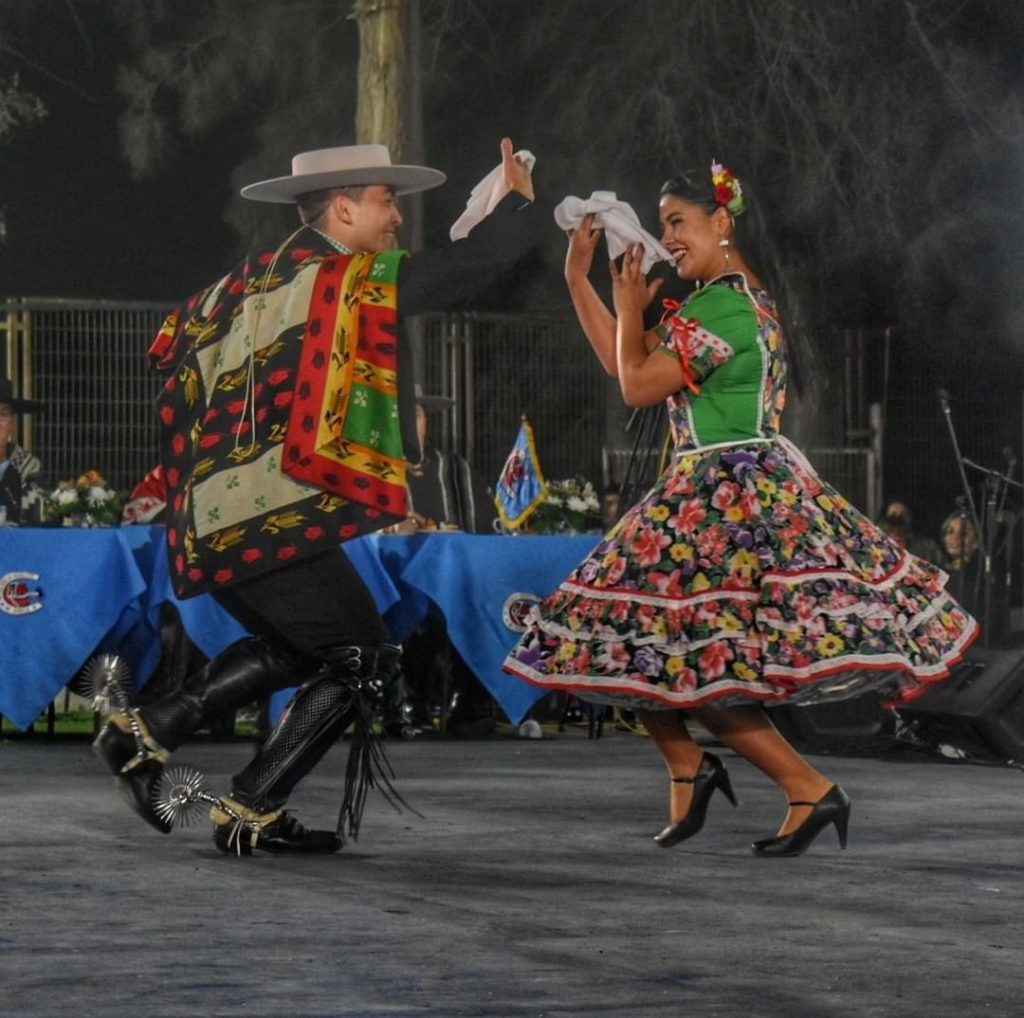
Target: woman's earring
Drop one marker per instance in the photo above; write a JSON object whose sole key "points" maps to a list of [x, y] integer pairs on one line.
{"points": [[724, 245]]}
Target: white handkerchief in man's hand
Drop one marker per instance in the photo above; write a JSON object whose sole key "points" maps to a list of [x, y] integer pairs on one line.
{"points": [[485, 196], [620, 223]]}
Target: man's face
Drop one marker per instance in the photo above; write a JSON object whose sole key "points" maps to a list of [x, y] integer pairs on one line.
{"points": [[6, 428], [370, 222]]}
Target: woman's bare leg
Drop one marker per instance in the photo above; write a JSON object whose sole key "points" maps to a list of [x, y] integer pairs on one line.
{"points": [[749, 732], [682, 755]]}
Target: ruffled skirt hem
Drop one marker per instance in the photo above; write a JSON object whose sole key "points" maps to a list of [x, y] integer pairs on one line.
{"points": [[744, 577], [893, 678]]}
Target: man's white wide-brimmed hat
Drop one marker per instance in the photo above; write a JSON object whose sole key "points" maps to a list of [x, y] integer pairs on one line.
{"points": [[343, 166]]}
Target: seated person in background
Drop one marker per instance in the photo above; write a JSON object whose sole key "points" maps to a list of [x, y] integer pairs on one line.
{"points": [[898, 523], [444, 492], [959, 541], [985, 596], [438, 690], [21, 498], [611, 507], [961, 559]]}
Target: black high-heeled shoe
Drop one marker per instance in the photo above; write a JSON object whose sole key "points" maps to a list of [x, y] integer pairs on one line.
{"points": [[832, 808], [710, 775]]}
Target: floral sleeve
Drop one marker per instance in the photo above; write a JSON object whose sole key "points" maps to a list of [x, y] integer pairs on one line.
{"points": [[698, 350]]}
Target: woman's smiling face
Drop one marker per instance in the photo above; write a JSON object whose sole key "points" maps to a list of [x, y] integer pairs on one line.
{"points": [[692, 236]]}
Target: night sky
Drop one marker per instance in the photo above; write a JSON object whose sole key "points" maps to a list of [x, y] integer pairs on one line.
{"points": [[77, 224]]}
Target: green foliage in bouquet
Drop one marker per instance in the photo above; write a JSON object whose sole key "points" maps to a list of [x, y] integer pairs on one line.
{"points": [[87, 502]]}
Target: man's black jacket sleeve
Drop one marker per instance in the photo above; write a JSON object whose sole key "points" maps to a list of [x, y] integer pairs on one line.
{"points": [[447, 277]]}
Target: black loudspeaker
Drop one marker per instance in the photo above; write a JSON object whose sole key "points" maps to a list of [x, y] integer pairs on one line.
{"points": [[860, 725], [979, 707]]}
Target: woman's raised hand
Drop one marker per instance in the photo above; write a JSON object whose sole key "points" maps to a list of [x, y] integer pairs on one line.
{"points": [[631, 292], [582, 244]]}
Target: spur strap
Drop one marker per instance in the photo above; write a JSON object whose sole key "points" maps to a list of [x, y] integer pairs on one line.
{"points": [[130, 723]]}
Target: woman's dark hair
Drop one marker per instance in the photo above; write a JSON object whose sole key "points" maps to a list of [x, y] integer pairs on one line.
{"points": [[692, 186]]}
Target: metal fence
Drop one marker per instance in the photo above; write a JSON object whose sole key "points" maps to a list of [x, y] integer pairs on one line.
{"points": [[500, 368], [86, 360]]}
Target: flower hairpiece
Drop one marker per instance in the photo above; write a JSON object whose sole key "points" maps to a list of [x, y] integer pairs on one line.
{"points": [[728, 192]]}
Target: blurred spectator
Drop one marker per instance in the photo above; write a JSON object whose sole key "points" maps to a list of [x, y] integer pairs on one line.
{"points": [[438, 691], [444, 491], [611, 508], [898, 523], [984, 596], [960, 541], [21, 497]]}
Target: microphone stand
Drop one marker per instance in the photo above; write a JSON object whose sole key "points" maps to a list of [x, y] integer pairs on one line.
{"points": [[986, 576], [997, 487], [969, 507], [1002, 518], [1009, 522], [649, 423]]}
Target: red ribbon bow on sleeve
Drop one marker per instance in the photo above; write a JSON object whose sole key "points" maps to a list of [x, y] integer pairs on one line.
{"points": [[681, 329]]}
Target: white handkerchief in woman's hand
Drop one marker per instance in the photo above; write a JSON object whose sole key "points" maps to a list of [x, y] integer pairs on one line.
{"points": [[620, 223]]}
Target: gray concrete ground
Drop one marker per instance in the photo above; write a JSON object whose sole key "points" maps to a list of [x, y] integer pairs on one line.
{"points": [[530, 887]]}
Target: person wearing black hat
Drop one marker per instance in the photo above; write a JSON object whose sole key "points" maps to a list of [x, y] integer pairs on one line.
{"points": [[20, 494], [273, 456]]}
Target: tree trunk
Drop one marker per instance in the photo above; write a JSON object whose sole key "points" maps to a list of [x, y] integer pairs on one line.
{"points": [[381, 60]]}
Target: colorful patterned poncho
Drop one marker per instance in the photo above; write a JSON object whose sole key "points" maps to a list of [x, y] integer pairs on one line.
{"points": [[290, 361]]}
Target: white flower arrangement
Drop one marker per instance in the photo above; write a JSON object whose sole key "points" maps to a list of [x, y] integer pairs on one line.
{"points": [[570, 506], [89, 501]]}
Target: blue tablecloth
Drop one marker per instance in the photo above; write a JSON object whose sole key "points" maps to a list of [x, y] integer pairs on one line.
{"points": [[90, 585], [471, 577], [103, 590]]}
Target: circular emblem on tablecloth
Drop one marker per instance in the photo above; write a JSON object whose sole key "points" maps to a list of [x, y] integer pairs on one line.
{"points": [[17, 597], [515, 610]]}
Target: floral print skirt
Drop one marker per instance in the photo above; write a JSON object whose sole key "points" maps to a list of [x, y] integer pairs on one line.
{"points": [[742, 576]]}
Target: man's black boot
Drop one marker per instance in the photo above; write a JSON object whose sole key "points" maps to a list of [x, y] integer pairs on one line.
{"points": [[135, 744], [349, 690], [238, 829]]}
